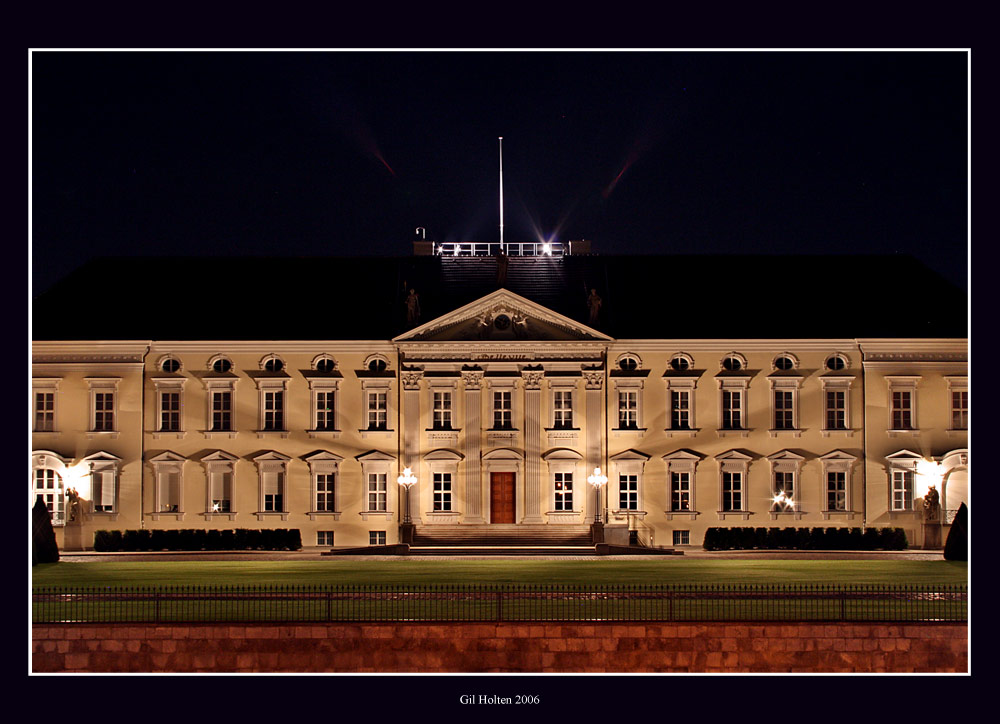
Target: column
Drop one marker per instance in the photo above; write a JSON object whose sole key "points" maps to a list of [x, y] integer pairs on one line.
{"points": [[411, 437], [532, 445], [473, 380], [595, 428]]}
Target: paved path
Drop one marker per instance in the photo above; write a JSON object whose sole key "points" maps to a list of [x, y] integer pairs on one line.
{"points": [[316, 555]]}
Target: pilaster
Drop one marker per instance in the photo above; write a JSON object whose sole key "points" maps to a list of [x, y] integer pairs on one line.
{"points": [[473, 382], [595, 405], [532, 445], [411, 434]]}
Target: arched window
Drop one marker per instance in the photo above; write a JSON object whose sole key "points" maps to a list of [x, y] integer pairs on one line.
{"points": [[170, 364], [220, 364], [49, 486], [272, 363], [836, 362]]}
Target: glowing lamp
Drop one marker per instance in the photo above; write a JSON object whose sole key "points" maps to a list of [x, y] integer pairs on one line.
{"points": [[598, 481], [928, 474], [547, 249], [407, 480]]}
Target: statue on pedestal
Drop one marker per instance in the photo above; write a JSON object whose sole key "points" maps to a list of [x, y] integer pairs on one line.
{"points": [[74, 504], [932, 506], [594, 305], [413, 307]]}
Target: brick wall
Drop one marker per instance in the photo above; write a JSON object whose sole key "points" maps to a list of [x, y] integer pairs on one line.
{"points": [[534, 648]]}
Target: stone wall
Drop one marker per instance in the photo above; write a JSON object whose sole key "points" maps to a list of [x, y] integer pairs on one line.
{"points": [[505, 647]]}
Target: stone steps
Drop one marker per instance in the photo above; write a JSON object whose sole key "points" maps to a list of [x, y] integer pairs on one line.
{"points": [[502, 535]]}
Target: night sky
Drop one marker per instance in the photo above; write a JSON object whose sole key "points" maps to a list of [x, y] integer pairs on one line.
{"points": [[346, 153]]}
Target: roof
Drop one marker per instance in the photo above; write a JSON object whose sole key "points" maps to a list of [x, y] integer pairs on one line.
{"points": [[643, 297]]}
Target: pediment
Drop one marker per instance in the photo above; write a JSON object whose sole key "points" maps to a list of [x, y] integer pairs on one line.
{"points": [[502, 316]]}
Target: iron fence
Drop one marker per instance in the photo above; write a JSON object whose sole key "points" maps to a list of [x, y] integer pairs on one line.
{"points": [[509, 603]]}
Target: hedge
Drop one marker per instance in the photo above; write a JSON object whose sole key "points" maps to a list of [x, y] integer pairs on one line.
{"points": [[241, 539], [815, 539]]}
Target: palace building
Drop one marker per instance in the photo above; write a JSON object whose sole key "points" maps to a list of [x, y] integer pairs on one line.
{"points": [[709, 391]]}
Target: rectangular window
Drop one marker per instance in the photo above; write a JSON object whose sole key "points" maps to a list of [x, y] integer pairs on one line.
{"points": [[562, 404], [274, 489], [628, 409], [502, 418], [732, 491], [680, 409], [222, 492], [628, 492], [378, 411], [902, 490], [325, 489], [836, 410], [960, 410], [324, 537], [682, 537], [169, 491], [680, 491], [325, 412], [732, 409], [902, 410], [222, 411], [563, 491], [836, 491], [783, 417], [170, 411], [102, 487], [104, 411], [45, 411], [274, 410], [377, 493], [376, 537], [442, 411], [442, 492], [784, 491]]}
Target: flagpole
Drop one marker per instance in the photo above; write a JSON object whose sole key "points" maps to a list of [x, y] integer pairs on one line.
{"points": [[501, 195]]}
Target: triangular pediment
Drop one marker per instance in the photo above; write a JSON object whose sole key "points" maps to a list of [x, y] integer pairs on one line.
{"points": [[502, 316]]}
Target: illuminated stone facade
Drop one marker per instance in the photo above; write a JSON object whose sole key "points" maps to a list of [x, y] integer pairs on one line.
{"points": [[502, 408]]}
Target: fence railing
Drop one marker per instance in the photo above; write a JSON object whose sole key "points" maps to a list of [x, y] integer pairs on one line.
{"points": [[444, 603], [492, 248]]}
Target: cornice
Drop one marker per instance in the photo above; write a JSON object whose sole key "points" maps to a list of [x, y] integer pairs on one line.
{"points": [[83, 352], [313, 346]]}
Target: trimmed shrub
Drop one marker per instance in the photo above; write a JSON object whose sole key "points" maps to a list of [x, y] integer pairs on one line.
{"points": [[817, 539], [835, 539], [854, 539], [787, 538], [213, 540], [190, 539], [772, 538], [44, 548], [744, 539], [956, 547]]}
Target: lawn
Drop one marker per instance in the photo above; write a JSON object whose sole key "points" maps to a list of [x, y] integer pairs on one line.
{"points": [[436, 571]]}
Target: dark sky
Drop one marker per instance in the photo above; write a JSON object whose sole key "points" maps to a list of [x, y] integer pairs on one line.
{"points": [[346, 153]]}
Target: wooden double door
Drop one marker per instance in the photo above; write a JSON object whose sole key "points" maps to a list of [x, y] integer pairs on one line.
{"points": [[502, 502]]}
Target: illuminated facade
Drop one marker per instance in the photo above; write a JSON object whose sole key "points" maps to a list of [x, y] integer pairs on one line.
{"points": [[502, 406]]}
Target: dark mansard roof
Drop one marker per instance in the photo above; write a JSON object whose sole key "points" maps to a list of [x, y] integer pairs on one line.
{"points": [[643, 297]]}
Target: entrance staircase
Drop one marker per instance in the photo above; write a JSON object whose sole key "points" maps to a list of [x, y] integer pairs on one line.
{"points": [[502, 536]]}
